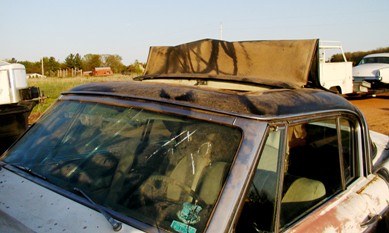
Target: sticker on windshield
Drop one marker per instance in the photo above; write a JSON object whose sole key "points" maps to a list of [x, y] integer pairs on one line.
{"points": [[182, 227], [189, 213]]}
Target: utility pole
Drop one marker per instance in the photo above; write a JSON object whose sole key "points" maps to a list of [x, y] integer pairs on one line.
{"points": [[43, 70]]}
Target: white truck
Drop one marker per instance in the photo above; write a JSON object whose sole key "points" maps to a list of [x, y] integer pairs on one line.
{"points": [[16, 102], [334, 76]]}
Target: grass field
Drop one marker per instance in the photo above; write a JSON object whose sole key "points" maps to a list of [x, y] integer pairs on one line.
{"points": [[53, 87]]}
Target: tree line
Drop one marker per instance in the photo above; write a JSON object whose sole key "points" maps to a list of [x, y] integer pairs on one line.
{"points": [[90, 61], [85, 63], [356, 57]]}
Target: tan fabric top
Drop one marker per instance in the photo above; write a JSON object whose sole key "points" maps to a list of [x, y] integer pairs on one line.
{"points": [[286, 61]]}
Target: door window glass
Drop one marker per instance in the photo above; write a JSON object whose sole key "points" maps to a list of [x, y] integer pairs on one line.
{"points": [[314, 164], [260, 203]]}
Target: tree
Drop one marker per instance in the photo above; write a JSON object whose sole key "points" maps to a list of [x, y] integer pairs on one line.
{"points": [[50, 66], [91, 61], [136, 68], [69, 61], [73, 61], [32, 67], [115, 62], [78, 61]]}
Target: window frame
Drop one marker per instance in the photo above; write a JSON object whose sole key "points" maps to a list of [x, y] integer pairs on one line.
{"points": [[355, 136], [355, 129]]}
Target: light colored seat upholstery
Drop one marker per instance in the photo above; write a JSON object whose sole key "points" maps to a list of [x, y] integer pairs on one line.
{"points": [[304, 190], [302, 194], [212, 182], [189, 170], [189, 160], [198, 163]]}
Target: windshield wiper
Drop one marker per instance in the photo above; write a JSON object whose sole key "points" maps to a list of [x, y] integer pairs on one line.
{"points": [[29, 171], [116, 226]]}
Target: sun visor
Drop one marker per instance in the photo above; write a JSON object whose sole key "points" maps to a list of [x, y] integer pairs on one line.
{"points": [[284, 61]]}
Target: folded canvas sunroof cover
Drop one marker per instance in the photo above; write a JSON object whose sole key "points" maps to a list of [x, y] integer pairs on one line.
{"points": [[263, 62]]}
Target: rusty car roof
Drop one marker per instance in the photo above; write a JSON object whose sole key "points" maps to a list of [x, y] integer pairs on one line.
{"points": [[271, 102]]}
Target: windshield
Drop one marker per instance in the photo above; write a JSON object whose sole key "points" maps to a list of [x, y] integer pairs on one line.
{"points": [[164, 170], [368, 60]]}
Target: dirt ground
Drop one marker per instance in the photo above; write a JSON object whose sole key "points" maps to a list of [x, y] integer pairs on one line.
{"points": [[376, 111]]}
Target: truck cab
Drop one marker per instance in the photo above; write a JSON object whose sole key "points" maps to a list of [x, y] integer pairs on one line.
{"points": [[334, 76]]}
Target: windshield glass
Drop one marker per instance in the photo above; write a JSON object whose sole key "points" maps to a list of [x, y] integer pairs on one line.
{"points": [[164, 170], [367, 60]]}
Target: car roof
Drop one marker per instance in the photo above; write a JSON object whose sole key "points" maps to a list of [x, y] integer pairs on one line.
{"points": [[377, 55], [254, 104]]}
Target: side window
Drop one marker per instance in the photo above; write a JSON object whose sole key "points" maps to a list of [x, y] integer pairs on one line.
{"points": [[348, 141], [312, 169], [320, 159], [300, 167], [259, 211]]}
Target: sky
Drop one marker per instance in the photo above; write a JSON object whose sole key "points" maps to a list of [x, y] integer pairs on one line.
{"points": [[30, 30]]}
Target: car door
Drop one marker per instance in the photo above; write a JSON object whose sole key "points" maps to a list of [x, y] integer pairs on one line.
{"points": [[311, 177], [360, 208], [363, 199]]}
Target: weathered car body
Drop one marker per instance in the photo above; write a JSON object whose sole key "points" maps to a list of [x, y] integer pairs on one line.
{"points": [[201, 153]]}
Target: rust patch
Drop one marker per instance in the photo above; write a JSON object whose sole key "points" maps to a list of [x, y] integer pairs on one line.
{"points": [[368, 184]]}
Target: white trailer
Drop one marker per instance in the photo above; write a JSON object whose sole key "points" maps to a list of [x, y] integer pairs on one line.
{"points": [[12, 81], [16, 102]]}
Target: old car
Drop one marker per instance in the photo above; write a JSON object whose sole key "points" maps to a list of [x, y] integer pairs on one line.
{"points": [[372, 72], [216, 136]]}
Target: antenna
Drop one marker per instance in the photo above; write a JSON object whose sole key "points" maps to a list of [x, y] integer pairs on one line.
{"points": [[221, 31]]}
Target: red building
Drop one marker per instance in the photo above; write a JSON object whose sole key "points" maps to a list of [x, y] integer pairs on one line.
{"points": [[102, 71]]}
